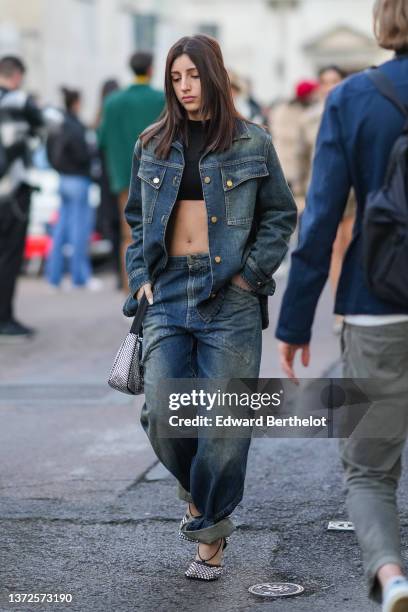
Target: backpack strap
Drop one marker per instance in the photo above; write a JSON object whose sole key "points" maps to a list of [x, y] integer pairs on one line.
{"points": [[387, 89]]}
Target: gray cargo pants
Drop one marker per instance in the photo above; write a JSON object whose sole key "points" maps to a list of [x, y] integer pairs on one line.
{"points": [[372, 455]]}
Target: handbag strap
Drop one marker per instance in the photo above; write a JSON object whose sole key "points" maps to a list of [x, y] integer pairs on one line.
{"points": [[387, 89], [140, 313]]}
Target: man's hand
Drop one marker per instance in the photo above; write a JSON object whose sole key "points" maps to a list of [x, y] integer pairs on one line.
{"points": [[287, 354], [241, 282], [147, 290]]}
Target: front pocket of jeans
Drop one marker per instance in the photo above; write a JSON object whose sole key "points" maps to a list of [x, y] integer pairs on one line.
{"points": [[240, 291]]}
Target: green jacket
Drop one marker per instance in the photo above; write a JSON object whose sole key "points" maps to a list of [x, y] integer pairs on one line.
{"points": [[125, 115]]}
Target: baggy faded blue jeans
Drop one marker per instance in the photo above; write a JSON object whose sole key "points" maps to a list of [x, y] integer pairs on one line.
{"points": [[74, 227], [178, 343]]}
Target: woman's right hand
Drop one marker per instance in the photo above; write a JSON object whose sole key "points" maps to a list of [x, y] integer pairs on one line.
{"points": [[147, 290]]}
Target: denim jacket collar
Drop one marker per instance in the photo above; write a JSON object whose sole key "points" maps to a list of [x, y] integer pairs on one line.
{"points": [[241, 131]]}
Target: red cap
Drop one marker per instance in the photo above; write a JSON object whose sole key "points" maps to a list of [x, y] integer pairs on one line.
{"points": [[305, 88]]}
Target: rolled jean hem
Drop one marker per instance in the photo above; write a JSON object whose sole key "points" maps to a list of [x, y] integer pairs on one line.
{"points": [[208, 535], [184, 495], [374, 586]]}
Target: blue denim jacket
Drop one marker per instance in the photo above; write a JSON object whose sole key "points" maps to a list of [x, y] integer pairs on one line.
{"points": [[357, 133], [250, 210]]}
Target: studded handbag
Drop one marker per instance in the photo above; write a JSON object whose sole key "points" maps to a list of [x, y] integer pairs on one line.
{"points": [[126, 374]]}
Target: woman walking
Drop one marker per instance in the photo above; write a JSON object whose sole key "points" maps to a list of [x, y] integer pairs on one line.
{"points": [[211, 217], [70, 154]]}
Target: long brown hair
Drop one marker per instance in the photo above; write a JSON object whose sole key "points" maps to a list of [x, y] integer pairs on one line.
{"points": [[217, 102]]}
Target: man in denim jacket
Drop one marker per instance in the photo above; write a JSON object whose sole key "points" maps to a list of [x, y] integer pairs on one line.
{"points": [[358, 131]]}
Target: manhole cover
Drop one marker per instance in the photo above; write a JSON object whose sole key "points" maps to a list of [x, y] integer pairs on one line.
{"points": [[340, 526], [276, 589]]}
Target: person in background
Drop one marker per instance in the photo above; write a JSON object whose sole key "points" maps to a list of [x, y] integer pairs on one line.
{"points": [[107, 216], [257, 108], [20, 118], [70, 154], [284, 122], [243, 102], [329, 77], [358, 131], [124, 117]]}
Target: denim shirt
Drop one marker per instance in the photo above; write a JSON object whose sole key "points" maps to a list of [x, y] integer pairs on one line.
{"points": [[357, 133], [251, 215]]}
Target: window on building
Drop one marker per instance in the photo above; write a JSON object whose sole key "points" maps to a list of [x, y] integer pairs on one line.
{"points": [[145, 31], [85, 23], [211, 29]]}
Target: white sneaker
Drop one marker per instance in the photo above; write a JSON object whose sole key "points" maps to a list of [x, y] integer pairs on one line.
{"points": [[94, 284], [395, 597]]}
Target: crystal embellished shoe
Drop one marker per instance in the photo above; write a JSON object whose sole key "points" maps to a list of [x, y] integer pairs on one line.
{"points": [[202, 570]]}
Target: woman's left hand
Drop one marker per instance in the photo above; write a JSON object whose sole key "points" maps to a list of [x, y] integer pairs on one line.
{"points": [[238, 280]]}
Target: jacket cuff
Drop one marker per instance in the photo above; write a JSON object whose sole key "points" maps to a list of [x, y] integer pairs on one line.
{"points": [[137, 279], [291, 336], [253, 275]]}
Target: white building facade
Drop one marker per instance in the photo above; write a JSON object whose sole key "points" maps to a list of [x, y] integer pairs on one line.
{"points": [[274, 43]]}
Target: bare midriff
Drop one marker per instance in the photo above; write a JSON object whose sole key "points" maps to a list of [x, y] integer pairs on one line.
{"points": [[187, 230]]}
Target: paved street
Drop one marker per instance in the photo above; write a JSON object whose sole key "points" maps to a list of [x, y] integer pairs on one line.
{"points": [[85, 509]]}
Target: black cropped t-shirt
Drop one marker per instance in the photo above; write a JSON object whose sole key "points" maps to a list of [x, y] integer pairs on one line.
{"points": [[190, 185]]}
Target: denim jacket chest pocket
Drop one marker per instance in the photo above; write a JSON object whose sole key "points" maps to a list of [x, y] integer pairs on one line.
{"points": [[240, 182], [151, 175]]}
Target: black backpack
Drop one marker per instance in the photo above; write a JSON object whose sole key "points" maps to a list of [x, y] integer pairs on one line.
{"points": [[385, 222], [4, 158], [4, 164], [55, 147]]}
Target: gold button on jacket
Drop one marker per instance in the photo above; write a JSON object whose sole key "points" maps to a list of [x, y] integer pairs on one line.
{"points": [[217, 259], [214, 219], [207, 180], [229, 183]]}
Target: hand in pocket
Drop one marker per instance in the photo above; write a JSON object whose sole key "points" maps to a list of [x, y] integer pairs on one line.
{"points": [[145, 289]]}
